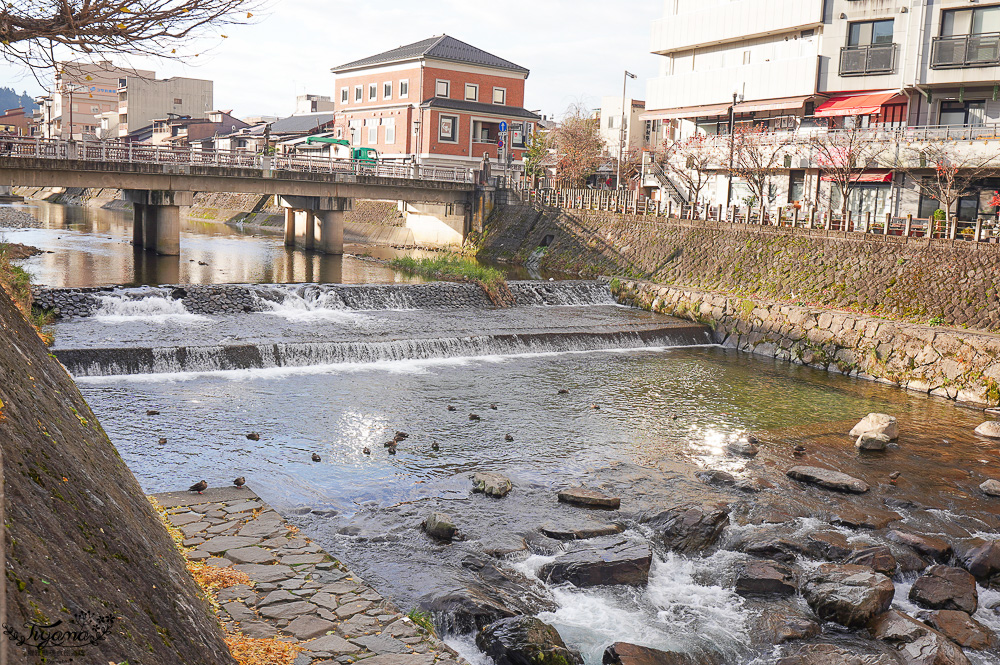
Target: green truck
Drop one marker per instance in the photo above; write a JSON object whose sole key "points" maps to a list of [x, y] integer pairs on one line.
{"points": [[341, 149]]}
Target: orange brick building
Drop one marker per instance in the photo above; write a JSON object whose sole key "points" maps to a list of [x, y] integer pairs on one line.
{"points": [[439, 99]]}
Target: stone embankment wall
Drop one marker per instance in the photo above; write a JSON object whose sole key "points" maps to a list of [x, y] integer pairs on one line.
{"points": [[916, 280], [958, 365]]}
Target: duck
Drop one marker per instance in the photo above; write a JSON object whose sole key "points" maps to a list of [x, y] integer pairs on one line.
{"points": [[392, 450], [401, 435], [508, 438], [240, 482], [435, 446], [451, 407], [473, 416], [493, 406], [152, 412], [199, 486], [253, 436], [316, 457], [367, 450], [563, 391], [799, 449], [162, 441]]}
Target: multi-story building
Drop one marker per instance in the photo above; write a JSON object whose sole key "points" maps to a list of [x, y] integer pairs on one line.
{"points": [[16, 122], [82, 92], [638, 134], [195, 133], [313, 104], [439, 100], [143, 99], [807, 66]]}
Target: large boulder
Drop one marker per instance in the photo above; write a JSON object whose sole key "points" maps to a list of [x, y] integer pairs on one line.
{"points": [[440, 526], [848, 594], [872, 441], [525, 640], [583, 496], [689, 528], [991, 487], [916, 643], [829, 654], [828, 478], [601, 562], [982, 559], [929, 546], [778, 624], [946, 588], [877, 423], [623, 653], [989, 429], [878, 558], [758, 577], [962, 629], [465, 610], [829, 545], [491, 484]]}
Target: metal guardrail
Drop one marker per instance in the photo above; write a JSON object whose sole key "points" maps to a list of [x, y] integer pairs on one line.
{"points": [[138, 153], [871, 59], [982, 50]]}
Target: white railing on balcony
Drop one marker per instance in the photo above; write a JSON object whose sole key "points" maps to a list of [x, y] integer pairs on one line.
{"points": [[138, 153]]}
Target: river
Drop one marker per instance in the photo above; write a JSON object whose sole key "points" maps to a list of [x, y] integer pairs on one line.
{"points": [[648, 404]]}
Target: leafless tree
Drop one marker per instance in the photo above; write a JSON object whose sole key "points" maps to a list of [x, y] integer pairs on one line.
{"points": [[692, 161], [38, 32], [758, 156], [845, 154], [948, 171], [578, 146]]}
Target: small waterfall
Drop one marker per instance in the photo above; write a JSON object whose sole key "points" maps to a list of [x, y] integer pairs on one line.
{"points": [[145, 305], [160, 360]]}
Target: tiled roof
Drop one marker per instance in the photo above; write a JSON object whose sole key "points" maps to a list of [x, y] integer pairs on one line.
{"points": [[300, 123], [442, 47], [478, 107]]}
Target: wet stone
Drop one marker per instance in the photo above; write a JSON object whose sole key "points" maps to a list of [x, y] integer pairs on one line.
{"points": [[331, 645], [583, 496], [250, 555], [381, 644], [223, 543], [279, 596], [308, 627]]}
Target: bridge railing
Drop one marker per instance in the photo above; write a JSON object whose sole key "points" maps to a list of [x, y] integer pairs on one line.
{"points": [[119, 152]]}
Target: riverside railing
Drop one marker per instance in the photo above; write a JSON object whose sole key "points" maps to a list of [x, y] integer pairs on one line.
{"points": [[138, 153], [631, 202]]}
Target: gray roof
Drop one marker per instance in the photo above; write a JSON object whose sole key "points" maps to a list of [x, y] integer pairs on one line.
{"points": [[478, 107], [300, 123], [442, 47]]}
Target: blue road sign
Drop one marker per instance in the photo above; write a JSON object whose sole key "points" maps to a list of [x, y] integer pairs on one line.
{"points": [[503, 125], [500, 143]]}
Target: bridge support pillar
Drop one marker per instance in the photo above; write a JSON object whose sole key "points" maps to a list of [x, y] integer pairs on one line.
{"points": [[315, 222], [289, 227], [330, 231], [157, 222], [305, 229]]}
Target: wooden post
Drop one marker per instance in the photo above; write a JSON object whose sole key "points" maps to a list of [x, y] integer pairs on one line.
{"points": [[909, 223], [795, 217], [829, 219], [979, 230], [733, 211], [812, 218], [953, 229], [888, 222]]}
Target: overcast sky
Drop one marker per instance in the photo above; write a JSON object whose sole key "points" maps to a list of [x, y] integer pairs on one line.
{"points": [[575, 49]]}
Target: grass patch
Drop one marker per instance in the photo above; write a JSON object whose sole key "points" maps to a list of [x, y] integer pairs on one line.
{"points": [[422, 619], [453, 268], [16, 281]]}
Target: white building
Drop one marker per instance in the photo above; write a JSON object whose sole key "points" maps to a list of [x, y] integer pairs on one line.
{"points": [[82, 92], [313, 104]]}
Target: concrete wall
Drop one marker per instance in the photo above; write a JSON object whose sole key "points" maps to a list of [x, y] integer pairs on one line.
{"points": [[152, 99]]}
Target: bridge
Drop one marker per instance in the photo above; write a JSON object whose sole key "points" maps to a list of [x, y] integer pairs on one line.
{"points": [[315, 192]]}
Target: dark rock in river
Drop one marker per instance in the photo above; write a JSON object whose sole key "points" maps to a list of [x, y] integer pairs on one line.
{"points": [[848, 594], [829, 545], [946, 588], [829, 654], [759, 578], [935, 548], [525, 640], [981, 558], [961, 628], [689, 528], [879, 558], [580, 531], [583, 496], [869, 518], [716, 477], [770, 543], [743, 448], [915, 642], [828, 478], [465, 610], [441, 526], [601, 562], [623, 653], [777, 625], [491, 484]]}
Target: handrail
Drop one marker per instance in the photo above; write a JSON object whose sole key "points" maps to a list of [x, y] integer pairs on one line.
{"points": [[976, 50]]}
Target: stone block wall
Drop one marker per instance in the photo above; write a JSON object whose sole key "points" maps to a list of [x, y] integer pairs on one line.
{"points": [[915, 280], [954, 364]]}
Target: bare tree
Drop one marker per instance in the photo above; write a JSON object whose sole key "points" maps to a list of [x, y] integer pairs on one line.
{"points": [[758, 156], [38, 32], [692, 161], [578, 146], [954, 171], [845, 154]]}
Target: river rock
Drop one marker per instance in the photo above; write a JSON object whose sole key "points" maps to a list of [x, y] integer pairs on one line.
{"points": [[930, 546], [829, 654], [872, 441], [762, 578], [689, 528], [601, 562], [877, 423], [583, 496], [946, 588], [770, 544], [580, 531], [848, 594], [623, 653], [879, 558], [777, 625], [439, 525], [525, 640], [830, 545], [465, 610], [982, 559], [828, 478], [915, 642], [491, 484], [990, 429], [961, 628], [716, 477], [991, 487], [742, 448]]}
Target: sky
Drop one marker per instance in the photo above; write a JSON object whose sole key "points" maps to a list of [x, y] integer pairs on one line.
{"points": [[577, 50]]}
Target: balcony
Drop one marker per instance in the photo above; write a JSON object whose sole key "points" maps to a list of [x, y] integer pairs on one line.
{"points": [[981, 50], [865, 60]]}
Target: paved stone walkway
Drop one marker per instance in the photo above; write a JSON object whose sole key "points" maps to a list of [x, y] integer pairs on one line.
{"points": [[299, 590]]}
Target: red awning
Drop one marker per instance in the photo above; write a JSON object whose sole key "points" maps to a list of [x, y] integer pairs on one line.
{"points": [[863, 104], [871, 176]]}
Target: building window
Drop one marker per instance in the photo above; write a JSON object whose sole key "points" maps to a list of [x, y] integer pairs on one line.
{"points": [[963, 113], [343, 96], [969, 38], [471, 92], [442, 89], [354, 127], [372, 92], [499, 95], [387, 90], [357, 93], [979, 21], [178, 101], [390, 130], [404, 89], [867, 33], [448, 129], [372, 124]]}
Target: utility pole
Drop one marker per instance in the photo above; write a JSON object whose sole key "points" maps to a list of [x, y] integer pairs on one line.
{"points": [[732, 144], [621, 132]]}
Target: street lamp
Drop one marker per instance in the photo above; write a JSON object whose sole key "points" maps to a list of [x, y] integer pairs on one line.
{"points": [[732, 143], [621, 133]]}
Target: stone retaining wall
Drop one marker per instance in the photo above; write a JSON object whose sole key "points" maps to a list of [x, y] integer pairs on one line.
{"points": [[954, 364], [916, 280]]}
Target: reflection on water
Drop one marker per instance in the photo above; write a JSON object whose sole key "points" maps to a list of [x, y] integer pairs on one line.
{"points": [[92, 247]]}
